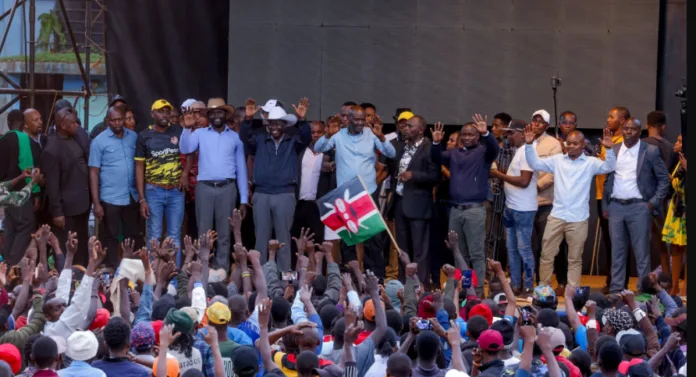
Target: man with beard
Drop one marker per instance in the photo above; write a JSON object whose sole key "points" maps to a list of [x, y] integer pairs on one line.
{"points": [[17, 154], [414, 175], [112, 184], [116, 101], [356, 154], [64, 161], [221, 171], [275, 174], [633, 194], [469, 167], [158, 175]]}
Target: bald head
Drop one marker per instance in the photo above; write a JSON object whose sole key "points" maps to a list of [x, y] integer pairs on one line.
{"points": [[32, 122]]}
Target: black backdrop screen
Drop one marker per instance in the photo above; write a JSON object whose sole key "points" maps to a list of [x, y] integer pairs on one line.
{"points": [[447, 59], [165, 49]]}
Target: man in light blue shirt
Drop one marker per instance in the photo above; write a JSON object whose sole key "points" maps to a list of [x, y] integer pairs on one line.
{"points": [[112, 184], [82, 348], [356, 154], [573, 174], [221, 170]]}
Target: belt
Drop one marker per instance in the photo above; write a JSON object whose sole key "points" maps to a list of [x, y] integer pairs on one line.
{"points": [[627, 201], [222, 183], [466, 206]]}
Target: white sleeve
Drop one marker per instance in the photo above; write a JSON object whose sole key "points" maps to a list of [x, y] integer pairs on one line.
{"points": [[74, 315], [63, 290]]}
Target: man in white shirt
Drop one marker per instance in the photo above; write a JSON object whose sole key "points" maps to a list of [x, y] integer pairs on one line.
{"points": [[520, 207], [632, 195], [306, 210], [573, 175]]}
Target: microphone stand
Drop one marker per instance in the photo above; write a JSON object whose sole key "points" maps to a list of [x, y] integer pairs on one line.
{"points": [[555, 83]]}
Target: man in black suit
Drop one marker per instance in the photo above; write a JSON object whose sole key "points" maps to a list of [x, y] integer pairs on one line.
{"points": [[633, 194], [414, 174], [65, 159]]}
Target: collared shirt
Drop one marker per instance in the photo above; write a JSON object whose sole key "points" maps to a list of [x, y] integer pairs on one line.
{"points": [[114, 157], [81, 369], [355, 155], [572, 179], [626, 174], [311, 169], [409, 151], [220, 156]]}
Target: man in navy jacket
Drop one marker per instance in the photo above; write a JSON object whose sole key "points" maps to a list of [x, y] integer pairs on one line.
{"points": [[275, 174]]}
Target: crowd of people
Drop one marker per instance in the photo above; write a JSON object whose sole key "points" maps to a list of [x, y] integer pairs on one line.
{"points": [[209, 255]]}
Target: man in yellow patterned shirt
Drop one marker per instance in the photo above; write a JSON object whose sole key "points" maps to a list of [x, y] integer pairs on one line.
{"points": [[615, 121]]}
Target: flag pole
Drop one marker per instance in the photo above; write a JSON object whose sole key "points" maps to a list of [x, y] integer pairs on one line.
{"points": [[386, 227]]}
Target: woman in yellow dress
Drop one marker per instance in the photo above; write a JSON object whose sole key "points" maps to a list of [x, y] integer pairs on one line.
{"points": [[674, 231]]}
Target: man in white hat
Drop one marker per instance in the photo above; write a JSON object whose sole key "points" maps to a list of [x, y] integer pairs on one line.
{"points": [[546, 146], [221, 172], [275, 174], [82, 347]]}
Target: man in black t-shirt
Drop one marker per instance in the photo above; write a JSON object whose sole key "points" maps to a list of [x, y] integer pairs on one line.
{"points": [[158, 176]]}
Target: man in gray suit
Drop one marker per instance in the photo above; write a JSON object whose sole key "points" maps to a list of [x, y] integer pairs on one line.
{"points": [[633, 193]]}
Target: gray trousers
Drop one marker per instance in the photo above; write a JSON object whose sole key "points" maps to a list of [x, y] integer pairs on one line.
{"points": [[215, 205], [629, 224], [470, 225], [274, 212]]}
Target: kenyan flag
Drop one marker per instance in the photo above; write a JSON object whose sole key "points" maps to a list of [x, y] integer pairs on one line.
{"points": [[349, 211]]}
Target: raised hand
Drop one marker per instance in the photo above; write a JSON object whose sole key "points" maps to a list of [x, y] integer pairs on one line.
{"points": [[682, 161], [274, 245], [673, 341], [211, 337], [481, 123], [411, 269], [195, 268], [403, 257], [454, 335], [251, 108], [306, 293], [43, 234], [543, 339], [3, 274], [529, 134], [371, 281], [301, 109], [167, 249], [347, 281], [495, 266], [167, 272], [438, 132], [97, 254], [629, 298], [53, 241], [189, 248], [71, 243], [301, 242], [352, 331], [240, 254], [377, 131], [528, 333], [189, 117], [264, 311], [167, 337], [254, 257], [606, 139], [654, 306], [127, 245], [206, 242], [452, 241], [28, 267], [236, 220], [570, 293]]}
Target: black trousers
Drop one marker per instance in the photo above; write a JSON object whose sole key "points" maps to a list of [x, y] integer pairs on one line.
{"points": [[306, 216], [413, 237], [124, 218], [373, 258], [19, 224], [439, 227], [191, 225], [80, 225], [560, 264]]}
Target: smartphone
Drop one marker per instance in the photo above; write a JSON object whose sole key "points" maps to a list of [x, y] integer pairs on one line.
{"points": [[466, 279], [424, 324], [290, 275], [106, 278], [583, 291], [526, 316]]}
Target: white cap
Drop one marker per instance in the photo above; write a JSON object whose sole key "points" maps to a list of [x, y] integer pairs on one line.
{"points": [[277, 113], [270, 104], [544, 114], [455, 373], [82, 346], [188, 103]]}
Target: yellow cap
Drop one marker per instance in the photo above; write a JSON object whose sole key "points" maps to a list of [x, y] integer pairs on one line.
{"points": [[218, 313], [406, 115], [160, 104]]}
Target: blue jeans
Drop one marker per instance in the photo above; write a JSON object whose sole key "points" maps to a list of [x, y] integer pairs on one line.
{"points": [[518, 227], [165, 204]]}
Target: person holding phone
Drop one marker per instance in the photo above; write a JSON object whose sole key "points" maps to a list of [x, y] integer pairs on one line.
{"points": [[18, 198]]}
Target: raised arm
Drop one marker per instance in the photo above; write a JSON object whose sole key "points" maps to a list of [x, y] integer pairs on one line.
{"points": [[189, 141], [609, 163], [325, 144], [381, 142], [380, 316]]}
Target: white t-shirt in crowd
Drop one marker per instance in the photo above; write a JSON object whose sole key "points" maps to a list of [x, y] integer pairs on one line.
{"points": [[518, 198], [186, 363], [311, 169]]}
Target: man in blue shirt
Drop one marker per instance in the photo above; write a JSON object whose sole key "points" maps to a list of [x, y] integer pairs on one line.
{"points": [[356, 153], [111, 164], [221, 171]]}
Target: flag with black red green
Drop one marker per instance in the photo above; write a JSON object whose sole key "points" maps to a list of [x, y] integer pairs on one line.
{"points": [[350, 212]]}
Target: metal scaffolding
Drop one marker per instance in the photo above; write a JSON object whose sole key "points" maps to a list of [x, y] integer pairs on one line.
{"points": [[31, 92]]}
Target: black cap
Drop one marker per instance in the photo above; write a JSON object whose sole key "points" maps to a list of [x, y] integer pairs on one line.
{"points": [[117, 97], [640, 370], [61, 104], [516, 125], [245, 361]]}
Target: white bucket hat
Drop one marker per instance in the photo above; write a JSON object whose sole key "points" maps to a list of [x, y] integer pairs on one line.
{"points": [[82, 345]]}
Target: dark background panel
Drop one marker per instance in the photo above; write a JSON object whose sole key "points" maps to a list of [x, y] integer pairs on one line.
{"points": [[156, 50]]}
